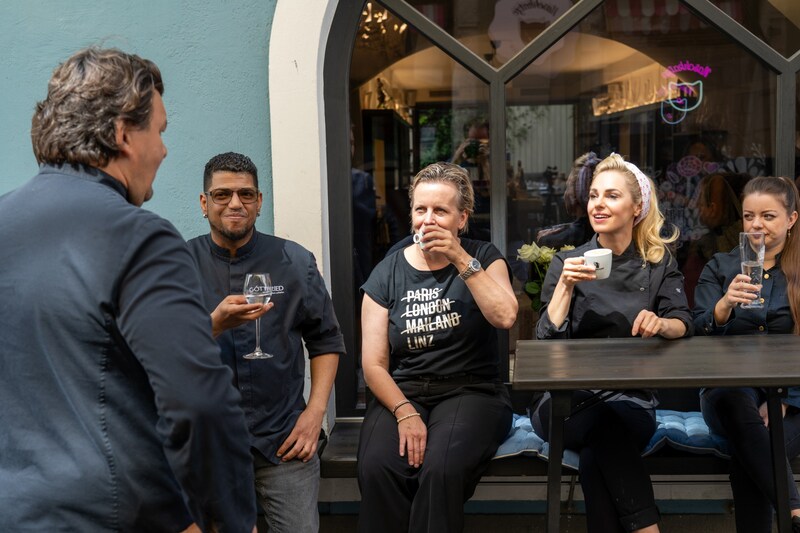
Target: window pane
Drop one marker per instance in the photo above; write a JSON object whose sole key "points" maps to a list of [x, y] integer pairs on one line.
{"points": [[494, 31], [776, 22], [411, 105], [797, 136], [684, 102]]}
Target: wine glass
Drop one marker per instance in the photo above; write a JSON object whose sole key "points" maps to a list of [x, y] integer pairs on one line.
{"points": [[258, 290]]}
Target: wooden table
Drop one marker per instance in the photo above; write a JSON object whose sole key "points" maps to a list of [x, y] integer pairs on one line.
{"points": [[562, 366]]}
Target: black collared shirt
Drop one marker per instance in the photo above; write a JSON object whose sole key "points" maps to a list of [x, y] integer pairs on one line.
{"points": [[608, 307], [272, 389]]}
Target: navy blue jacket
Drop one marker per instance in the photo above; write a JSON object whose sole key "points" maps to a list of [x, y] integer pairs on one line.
{"points": [[774, 317], [113, 394]]}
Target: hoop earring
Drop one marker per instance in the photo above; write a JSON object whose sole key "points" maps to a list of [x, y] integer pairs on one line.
{"points": [[205, 215]]}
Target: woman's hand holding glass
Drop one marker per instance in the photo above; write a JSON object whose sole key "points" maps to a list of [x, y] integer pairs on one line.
{"points": [[740, 291]]}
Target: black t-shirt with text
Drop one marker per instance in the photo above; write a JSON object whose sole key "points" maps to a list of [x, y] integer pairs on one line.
{"points": [[435, 325]]}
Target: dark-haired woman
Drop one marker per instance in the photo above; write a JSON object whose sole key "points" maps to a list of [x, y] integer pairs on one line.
{"points": [[769, 206]]}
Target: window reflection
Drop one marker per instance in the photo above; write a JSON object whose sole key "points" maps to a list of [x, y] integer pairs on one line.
{"points": [[495, 31], [678, 98], [644, 78], [797, 136], [776, 22], [410, 105]]}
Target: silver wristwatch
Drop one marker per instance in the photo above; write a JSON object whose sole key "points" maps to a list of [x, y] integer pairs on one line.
{"points": [[473, 266]]}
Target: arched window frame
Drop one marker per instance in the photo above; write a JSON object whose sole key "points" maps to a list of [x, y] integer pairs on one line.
{"points": [[334, 231]]}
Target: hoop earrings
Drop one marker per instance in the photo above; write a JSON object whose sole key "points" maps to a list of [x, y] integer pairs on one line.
{"points": [[205, 215]]}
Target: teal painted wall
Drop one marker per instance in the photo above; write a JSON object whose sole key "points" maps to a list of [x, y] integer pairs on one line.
{"points": [[213, 55]]}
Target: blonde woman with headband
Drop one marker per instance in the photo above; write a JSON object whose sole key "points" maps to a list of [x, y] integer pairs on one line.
{"points": [[641, 296]]}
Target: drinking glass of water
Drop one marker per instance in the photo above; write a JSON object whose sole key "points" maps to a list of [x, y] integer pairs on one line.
{"points": [[258, 290], [751, 248]]}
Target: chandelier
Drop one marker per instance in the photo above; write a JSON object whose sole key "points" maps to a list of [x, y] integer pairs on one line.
{"points": [[380, 30]]}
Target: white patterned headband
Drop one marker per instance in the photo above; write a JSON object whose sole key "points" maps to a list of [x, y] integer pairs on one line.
{"points": [[644, 186]]}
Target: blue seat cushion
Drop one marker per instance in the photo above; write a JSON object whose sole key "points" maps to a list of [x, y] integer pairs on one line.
{"points": [[686, 431]]}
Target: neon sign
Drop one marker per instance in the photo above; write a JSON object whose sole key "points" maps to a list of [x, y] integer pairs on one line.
{"points": [[685, 66], [690, 95]]}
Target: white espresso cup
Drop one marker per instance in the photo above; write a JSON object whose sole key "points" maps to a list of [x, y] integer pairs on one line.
{"points": [[600, 258]]}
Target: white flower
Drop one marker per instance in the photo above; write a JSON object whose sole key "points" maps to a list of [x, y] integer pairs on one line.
{"points": [[529, 252], [546, 255]]}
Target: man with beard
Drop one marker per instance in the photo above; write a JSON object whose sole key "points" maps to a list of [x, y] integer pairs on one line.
{"points": [[284, 429]]}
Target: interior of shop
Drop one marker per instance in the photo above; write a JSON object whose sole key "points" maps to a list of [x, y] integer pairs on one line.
{"points": [[648, 79]]}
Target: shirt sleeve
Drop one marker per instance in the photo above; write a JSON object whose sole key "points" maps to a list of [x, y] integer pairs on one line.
{"points": [[488, 253], [161, 318], [320, 328], [709, 290], [545, 329], [377, 285], [671, 297]]}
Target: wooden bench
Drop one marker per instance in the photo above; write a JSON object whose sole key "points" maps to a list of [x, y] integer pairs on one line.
{"points": [[339, 454]]}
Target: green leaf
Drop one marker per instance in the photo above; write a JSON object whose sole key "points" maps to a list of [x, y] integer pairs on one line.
{"points": [[533, 287]]}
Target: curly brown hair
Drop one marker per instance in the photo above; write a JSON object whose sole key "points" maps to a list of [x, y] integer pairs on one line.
{"points": [[86, 96]]}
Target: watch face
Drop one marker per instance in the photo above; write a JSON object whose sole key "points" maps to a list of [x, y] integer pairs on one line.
{"points": [[474, 264]]}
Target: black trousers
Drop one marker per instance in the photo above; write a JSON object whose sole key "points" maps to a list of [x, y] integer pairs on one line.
{"points": [[733, 413], [610, 437], [466, 423]]}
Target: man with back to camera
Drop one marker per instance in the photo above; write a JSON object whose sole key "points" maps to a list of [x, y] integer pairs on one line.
{"points": [[118, 414], [284, 430]]}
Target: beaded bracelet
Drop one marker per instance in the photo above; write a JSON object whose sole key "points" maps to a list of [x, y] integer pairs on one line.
{"points": [[407, 416], [398, 405]]}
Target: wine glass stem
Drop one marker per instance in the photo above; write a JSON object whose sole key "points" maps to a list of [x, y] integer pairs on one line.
{"points": [[258, 334]]}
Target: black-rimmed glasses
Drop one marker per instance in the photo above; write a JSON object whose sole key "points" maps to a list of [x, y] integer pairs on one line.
{"points": [[224, 196]]}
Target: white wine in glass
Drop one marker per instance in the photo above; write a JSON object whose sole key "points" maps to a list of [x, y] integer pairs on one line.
{"points": [[258, 290]]}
